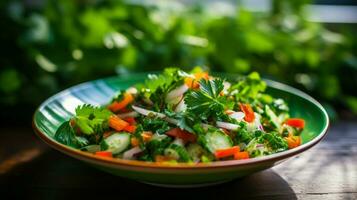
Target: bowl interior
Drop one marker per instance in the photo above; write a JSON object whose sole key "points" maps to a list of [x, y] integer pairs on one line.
{"points": [[61, 106]]}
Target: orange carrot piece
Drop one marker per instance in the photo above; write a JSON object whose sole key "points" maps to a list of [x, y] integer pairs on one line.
{"points": [[130, 128], [248, 112], [116, 123], [134, 142], [104, 154], [293, 141], [107, 134], [241, 155], [161, 158], [222, 153], [146, 135], [116, 106], [193, 82]]}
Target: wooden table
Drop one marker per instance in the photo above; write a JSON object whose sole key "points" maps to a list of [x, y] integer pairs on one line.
{"points": [[29, 169]]}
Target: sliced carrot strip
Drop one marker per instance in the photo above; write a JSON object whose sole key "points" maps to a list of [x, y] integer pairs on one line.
{"points": [[104, 154], [193, 82], [116, 123], [147, 135], [222, 153], [116, 106], [161, 158], [130, 128], [248, 112], [241, 155], [134, 142], [293, 141]]}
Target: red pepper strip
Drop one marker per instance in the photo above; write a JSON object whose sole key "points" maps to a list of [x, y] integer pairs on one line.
{"points": [[295, 122], [130, 128], [248, 112], [131, 120], [241, 155], [104, 154], [221, 153], [182, 134], [293, 141]]}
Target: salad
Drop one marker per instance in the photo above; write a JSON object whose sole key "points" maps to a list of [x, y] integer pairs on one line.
{"points": [[185, 117]]}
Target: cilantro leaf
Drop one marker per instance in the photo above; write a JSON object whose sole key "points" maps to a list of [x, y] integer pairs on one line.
{"points": [[156, 125], [248, 88], [91, 119], [274, 140], [186, 120], [156, 87], [66, 135], [207, 102]]}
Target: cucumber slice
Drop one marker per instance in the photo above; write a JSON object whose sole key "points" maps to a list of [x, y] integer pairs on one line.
{"points": [[116, 143], [272, 117], [214, 140], [91, 148], [195, 151], [177, 152]]}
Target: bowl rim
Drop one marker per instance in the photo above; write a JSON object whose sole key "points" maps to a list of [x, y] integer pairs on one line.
{"points": [[182, 166]]}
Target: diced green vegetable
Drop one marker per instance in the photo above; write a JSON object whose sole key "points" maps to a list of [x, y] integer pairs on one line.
{"points": [[274, 120], [116, 143], [216, 139]]}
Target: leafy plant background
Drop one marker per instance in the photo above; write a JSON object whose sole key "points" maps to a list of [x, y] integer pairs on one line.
{"points": [[49, 45]]}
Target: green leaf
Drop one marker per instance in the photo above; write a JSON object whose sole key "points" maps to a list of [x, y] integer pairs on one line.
{"points": [[91, 119], [156, 125], [156, 87], [248, 88], [66, 135], [206, 102]]}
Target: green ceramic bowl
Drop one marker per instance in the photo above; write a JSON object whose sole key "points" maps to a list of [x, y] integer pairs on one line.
{"points": [[60, 107]]}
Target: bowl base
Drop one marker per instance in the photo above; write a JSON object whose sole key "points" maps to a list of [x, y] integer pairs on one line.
{"points": [[198, 185]]}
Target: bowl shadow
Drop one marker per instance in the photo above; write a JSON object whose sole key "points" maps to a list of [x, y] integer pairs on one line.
{"points": [[53, 175]]}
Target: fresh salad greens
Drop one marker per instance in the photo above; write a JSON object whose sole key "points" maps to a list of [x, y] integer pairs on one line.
{"points": [[185, 117]]}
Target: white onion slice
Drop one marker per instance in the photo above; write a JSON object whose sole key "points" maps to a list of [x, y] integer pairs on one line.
{"points": [[129, 155], [132, 90], [92, 148], [147, 112], [181, 106], [226, 86], [228, 126], [179, 91], [171, 120], [257, 122], [148, 101], [239, 116], [205, 126], [178, 141], [128, 114], [175, 100], [260, 147]]}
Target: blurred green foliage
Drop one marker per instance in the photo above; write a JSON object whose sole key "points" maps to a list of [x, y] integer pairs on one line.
{"points": [[48, 45]]}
